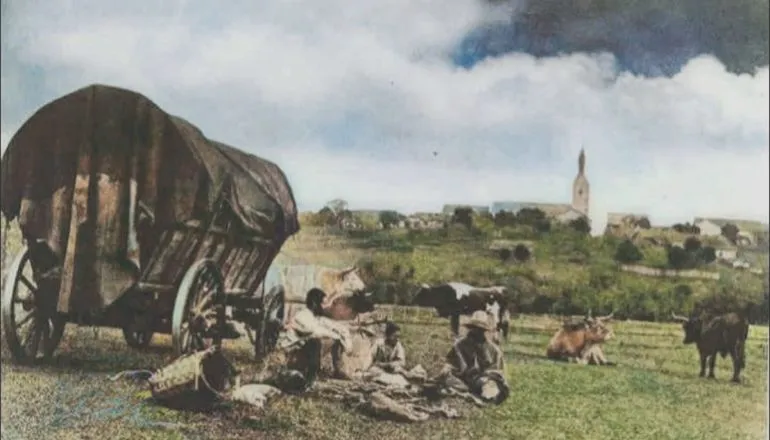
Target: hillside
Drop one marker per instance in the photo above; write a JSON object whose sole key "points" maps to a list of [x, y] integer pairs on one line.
{"points": [[567, 272]]}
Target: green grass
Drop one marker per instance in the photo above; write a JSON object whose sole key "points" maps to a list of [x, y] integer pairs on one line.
{"points": [[653, 393]]}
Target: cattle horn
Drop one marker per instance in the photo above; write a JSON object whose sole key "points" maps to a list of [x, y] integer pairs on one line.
{"points": [[425, 285], [676, 317], [605, 318]]}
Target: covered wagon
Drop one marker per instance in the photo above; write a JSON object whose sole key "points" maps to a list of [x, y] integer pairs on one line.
{"points": [[133, 219]]}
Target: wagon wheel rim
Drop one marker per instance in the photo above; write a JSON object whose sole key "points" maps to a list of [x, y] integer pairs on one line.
{"points": [[271, 323], [195, 309], [32, 328]]}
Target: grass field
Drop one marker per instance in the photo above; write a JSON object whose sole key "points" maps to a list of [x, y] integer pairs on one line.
{"points": [[654, 393]]}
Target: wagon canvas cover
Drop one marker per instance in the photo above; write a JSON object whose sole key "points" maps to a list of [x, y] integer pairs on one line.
{"points": [[79, 171]]}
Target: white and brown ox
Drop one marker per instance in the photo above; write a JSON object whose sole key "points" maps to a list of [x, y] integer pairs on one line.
{"points": [[581, 341], [345, 298], [454, 299]]}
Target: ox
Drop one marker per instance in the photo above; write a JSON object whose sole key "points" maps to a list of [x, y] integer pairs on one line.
{"points": [[343, 287], [581, 341], [455, 299], [721, 334]]}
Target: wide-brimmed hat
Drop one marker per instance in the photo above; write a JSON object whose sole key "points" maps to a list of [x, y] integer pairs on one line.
{"points": [[479, 320]]}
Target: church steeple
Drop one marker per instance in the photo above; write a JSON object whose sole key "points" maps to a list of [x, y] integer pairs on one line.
{"points": [[580, 187], [582, 162]]}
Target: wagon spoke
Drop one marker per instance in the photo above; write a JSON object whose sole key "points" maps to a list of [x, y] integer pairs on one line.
{"points": [[204, 301], [28, 283], [38, 333], [26, 319]]}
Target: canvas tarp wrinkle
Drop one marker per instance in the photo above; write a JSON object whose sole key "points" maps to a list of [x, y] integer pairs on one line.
{"points": [[68, 174]]}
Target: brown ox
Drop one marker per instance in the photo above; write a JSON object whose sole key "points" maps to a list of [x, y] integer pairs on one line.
{"points": [[721, 334], [581, 341]]}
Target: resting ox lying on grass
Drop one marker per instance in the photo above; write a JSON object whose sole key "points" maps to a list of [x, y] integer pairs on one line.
{"points": [[581, 341]]}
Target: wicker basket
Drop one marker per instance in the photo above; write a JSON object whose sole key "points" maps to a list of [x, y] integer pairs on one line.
{"points": [[204, 374]]}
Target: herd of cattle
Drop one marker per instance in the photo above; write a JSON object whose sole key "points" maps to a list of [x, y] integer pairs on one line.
{"points": [[575, 341]]}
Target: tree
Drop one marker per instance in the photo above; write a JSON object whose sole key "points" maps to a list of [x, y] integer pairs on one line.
{"points": [[337, 206], [581, 225], [692, 244], [627, 252], [707, 254], [686, 228], [521, 253], [730, 231], [463, 216], [505, 218], [678, 258], [530, 216], [339, 210], [643, 223], [325, 217], [388, 219]]}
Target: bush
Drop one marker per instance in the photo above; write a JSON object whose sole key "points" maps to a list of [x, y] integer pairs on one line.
{"points": [[730, 231], [521, 253], [707, 254], [580, 225], [388, 219], [463, 216], [643, 223], [678, 258], [504, 218], [692, 244], [628, 253]]}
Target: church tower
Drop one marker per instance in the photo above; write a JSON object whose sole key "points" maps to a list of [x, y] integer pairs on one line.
{"points": [[580, 187]]}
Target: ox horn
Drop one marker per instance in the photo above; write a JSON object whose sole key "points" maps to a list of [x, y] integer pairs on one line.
{"points": [[425, 285], [605, 318], [676, 317]]}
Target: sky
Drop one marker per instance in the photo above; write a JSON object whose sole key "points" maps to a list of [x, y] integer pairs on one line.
{"points": [[411, 104]]}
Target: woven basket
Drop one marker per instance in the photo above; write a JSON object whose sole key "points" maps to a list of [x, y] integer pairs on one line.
{"points": [[204, 374]]}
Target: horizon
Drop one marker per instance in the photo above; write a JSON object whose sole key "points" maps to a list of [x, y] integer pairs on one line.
{"points": [[414, 105]]}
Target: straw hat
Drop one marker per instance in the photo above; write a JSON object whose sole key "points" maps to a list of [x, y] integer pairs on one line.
{"points": [[479, 320]]}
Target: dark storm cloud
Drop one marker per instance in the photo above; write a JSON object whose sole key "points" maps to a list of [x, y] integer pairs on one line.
{"points": [[652, 38]]}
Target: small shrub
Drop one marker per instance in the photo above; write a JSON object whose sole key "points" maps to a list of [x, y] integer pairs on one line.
{"points": [[692, 244], [521, 253], [628, 253]]}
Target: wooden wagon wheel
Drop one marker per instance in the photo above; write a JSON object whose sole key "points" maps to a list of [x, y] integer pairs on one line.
{"points": [[199, 307], [31, 324], [270, 322]]}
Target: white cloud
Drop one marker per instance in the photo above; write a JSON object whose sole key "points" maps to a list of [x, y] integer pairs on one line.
{"points": [[353, 100]]}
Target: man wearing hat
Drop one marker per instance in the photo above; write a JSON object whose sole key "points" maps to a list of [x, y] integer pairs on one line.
{"points": [[474, 360]]}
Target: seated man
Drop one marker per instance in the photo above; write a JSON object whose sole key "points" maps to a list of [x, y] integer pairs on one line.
{"points": [[304, 334], [474, 363], [388, 353]]}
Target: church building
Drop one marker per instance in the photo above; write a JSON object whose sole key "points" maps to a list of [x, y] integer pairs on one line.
{"points": [[559, 211]]}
